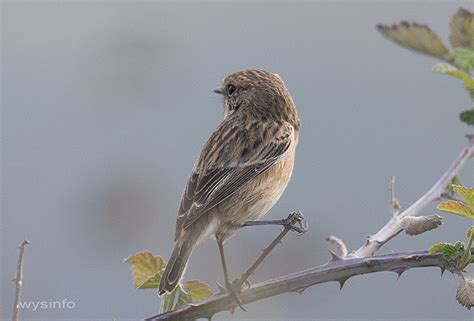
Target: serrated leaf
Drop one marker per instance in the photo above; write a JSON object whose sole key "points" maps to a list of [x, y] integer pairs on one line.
{"points": [[197, 290], [453, 252], [465, 293], [467, 194], [464, 58], [147, 269], [437, 248], [461, 31], [415, 36], [456, 207]]}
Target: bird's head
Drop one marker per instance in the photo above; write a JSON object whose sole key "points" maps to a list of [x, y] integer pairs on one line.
{"points": [[258, 94]]}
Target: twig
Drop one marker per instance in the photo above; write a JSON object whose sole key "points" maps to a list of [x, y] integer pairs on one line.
{"points": [[244, 277], [18, 281], [393, 226], [394, 206], [341, 246], [339, 270]]}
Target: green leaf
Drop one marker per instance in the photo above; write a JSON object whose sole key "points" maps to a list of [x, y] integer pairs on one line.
{"points": [[197, 290], [182, 298], [456, 180], [466, 193], [467, 116], [189, 291], [470, 232], [168, 300], [461, 29], [448, 69], [456, 207], [147, 269], [453, 252], [464, 58], [415, 36], [437, 248]]}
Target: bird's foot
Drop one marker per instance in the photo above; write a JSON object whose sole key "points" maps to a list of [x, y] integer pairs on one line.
{"points": [[296, 222], [232, 289]]}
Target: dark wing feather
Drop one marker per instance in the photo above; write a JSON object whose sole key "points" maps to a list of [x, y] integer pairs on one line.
{"points": [[206, 188]]}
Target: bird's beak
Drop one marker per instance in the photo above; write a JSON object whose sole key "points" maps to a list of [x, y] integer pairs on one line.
{"points": [[219, 90]]}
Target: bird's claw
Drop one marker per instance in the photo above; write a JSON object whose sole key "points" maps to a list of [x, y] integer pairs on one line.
{"points": [[297, 223], [230, 289]]}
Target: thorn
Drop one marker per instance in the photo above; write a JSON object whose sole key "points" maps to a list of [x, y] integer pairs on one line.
{"points": [[334, 257], [442, 270], [399, 271], [300, 290], [342, 282]]}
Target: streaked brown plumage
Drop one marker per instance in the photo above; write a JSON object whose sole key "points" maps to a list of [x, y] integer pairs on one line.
{"points": [[243, 168]]}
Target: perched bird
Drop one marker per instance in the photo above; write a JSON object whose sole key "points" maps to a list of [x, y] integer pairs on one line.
{"points": [[242, 169]]}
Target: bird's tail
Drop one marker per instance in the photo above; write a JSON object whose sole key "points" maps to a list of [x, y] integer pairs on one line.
{"points": [[176, 265]]}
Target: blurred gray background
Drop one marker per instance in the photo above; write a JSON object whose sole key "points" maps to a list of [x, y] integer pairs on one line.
{"points": [[105, 106]]}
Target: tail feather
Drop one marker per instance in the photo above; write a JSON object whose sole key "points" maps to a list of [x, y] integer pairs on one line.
{"points": [[175, 268]]}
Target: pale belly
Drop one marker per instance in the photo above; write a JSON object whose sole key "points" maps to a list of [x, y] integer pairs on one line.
{"points": [[253, 200]]}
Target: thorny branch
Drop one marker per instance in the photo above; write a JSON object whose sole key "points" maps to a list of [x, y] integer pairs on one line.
{"points": [[336, 270], [393, 226], [18, 281], [341, 268]]}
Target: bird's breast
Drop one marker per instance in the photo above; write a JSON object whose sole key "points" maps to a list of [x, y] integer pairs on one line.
{"points": [[257, 197]]}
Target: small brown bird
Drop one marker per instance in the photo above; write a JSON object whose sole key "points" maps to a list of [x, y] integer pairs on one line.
{"points": [[242, 170]]}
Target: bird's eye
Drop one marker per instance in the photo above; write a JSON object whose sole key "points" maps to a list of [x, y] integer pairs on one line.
{"points": [[230, 89]]}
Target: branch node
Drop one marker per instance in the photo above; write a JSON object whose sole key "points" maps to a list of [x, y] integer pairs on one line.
{"points": [[334, 257]]}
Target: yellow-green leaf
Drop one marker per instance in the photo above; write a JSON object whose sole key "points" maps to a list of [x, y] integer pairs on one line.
{"points": [[466, 193], [461, 33], [451, 70], [197, 290], [437, 248], [470, 232], [147, 269], [416, 37], [456, 207]]}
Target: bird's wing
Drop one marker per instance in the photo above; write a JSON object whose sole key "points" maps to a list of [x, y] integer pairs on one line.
{"points": [[230, 159]]}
